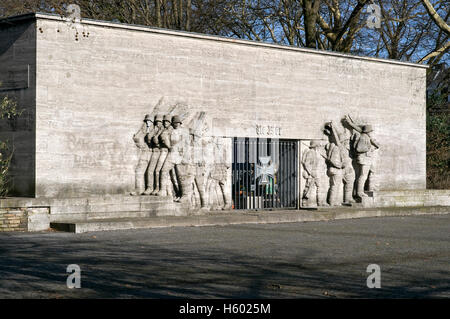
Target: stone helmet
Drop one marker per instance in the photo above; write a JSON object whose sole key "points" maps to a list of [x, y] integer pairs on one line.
{"points": [[176, 119], [367, 128], [166, 118], [314, 143], [148, 118], [158, 117]]}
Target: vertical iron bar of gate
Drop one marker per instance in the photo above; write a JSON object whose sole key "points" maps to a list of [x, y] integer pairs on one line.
{"points": [[256, 179], [288, 171], [240, 171], [293, 174], [286, 176], [248, 197], [260, 150], [236, 186], [291, 161], [255, 162], [234, 167], [291, 165], [275, 158], [246, 169], [263, 187], [233, 186], [272, 159], [264, 153], [297, 174], [277, 201], [286, 155], [250, 155], [281, 174], [285, 182]]}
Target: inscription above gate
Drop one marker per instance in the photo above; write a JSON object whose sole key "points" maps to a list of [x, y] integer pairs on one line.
{"points": [[268, 130]]}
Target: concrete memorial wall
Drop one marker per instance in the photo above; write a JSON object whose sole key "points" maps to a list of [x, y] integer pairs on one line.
{"points": [[95, 82]]}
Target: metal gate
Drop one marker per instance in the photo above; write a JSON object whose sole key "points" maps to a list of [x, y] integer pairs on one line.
{"points": [[264, 173]]}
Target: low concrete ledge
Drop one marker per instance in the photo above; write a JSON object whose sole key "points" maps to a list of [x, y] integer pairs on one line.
{"points": [[109, 212], [243, 217]]}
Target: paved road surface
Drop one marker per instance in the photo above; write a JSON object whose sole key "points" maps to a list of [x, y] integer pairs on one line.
{"points": [[296, 260]]}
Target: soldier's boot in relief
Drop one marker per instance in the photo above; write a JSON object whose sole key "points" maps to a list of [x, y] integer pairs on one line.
{"points": [[203, 200], [157, 185], [150, 180], [148, 191], [372, 183], [226, 202], [348, 198], [185, 190], [163, 186], [140, 186], [360, 190]]}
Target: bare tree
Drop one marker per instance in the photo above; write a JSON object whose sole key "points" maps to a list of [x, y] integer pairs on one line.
{"points": [[441, 47]]}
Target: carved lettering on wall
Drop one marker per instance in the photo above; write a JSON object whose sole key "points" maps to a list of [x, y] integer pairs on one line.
{"points": [[268, 130]]}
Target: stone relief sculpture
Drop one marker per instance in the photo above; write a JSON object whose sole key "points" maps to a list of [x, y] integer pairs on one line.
{"points": [[340, 167], [182, 161], [145, 153], [153, 140], [342, 170], [364, 148], [178, 158], [217, 182], [343, 155], [164, 142], [313, 162]]}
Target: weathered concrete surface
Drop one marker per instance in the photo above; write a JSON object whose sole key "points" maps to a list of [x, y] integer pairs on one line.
{"points": [[426, 197], [245, 217], [96, 80], [110, 212], [293, 260], [18, 82]]}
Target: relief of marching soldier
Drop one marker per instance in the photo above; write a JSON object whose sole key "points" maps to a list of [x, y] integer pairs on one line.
{"points": [[340, 167], [364, 147], [314, 172], [145, 153], [182, 161]]}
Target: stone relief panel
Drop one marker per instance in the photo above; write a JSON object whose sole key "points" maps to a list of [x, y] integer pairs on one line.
{"points": [[340, 169], [179, 158]]}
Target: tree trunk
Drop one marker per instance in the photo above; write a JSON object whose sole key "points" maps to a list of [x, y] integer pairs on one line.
{"points": [[310, 12], [158, 13]]}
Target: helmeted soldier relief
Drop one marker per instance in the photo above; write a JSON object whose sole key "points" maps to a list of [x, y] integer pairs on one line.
{"points": [[153, 138], [182, 158], [219, 174], [145, 153], [364, 147], [335, 164], [314, 173], [202, 157], [348, 170], [164, 146], [173, 139], [340, 167]]}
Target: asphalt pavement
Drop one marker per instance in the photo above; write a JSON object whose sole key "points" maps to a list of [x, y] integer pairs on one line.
{"points": [[289, 260]]}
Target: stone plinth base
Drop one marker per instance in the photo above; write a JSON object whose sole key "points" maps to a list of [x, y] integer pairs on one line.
{"points": [[36, 214]]}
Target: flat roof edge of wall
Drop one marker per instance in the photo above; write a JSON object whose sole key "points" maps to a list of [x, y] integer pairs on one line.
{"points": [[134, 27]]}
